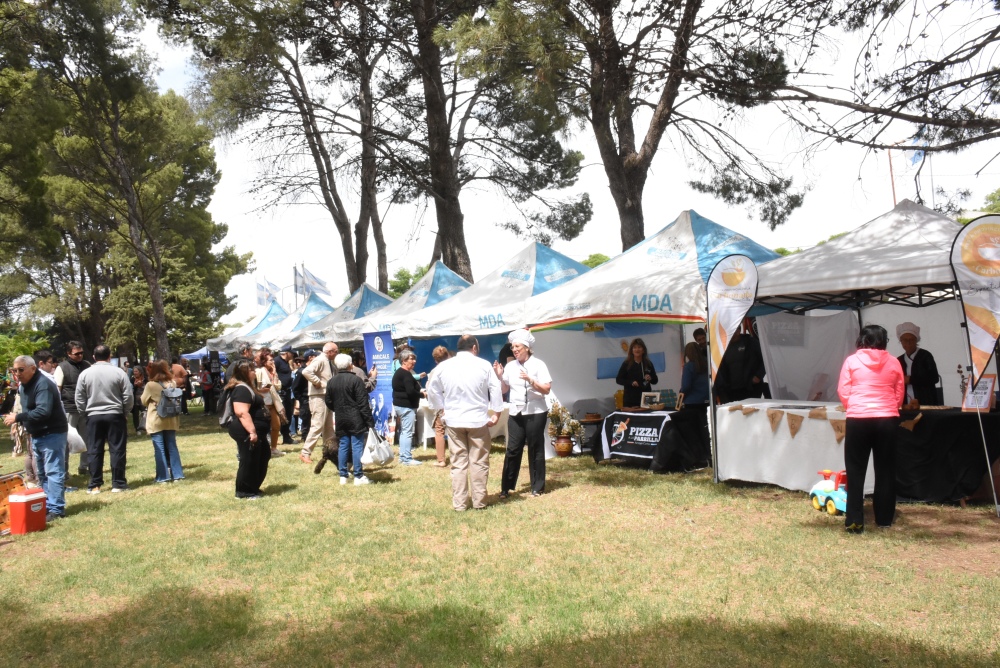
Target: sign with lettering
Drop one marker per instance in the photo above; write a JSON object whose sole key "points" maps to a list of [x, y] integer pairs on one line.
{"points": [[635, 435]]}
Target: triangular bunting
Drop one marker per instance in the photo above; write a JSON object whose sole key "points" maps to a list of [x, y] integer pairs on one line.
{"points": [[747, 410], [774, 417], [839, 429], [818, 413], [794, 423]]}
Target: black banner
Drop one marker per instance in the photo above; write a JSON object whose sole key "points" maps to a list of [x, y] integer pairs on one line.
{"points": [[633, 434]]}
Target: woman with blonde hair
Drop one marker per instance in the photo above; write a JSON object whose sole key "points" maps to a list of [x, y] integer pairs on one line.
{"points": [[163, 430]]}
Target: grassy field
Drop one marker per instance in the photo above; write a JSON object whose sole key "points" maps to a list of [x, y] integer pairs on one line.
{"points": [[612, 567]]}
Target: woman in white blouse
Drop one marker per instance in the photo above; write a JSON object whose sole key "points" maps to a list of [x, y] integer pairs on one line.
{"points": [[527, 379]]}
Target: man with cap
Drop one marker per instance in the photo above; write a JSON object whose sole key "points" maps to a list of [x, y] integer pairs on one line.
{"points": [[527, 379], [318, 373], [466, 388], [919, 370], [283, 369]]}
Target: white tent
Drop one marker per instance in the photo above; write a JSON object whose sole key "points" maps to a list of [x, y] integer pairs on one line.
{"points": [[495, 303], [661, 279], [365, 300], [902, 255], [437, 285], [272, 315], [311, 310]]}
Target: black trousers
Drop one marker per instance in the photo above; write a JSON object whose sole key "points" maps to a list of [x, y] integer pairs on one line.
{"points": [[875, 436], [113, 430], [289, 405], [525, 430], [208, 396], [305, 418], [254, 460], [692, 423]]}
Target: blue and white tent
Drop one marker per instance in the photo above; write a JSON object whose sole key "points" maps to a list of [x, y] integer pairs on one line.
{"points": [[271, 316], [438, 284], [659, 280], [313, 309], [495, 303], [365, 300]]}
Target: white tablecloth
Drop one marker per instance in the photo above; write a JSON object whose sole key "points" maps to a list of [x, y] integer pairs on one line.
{"points": [[748, 450], [425, 425]]}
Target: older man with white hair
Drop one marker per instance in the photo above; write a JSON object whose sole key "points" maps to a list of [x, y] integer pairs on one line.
{"points": [[527, 379], [318, 373], [347, 398], [44, 419]]}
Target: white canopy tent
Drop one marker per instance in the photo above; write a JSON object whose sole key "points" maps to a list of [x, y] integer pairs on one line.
{"points": [[495, 303], [660, 280], [273, 314], [437, 285], [364, 301], [311, 310]]}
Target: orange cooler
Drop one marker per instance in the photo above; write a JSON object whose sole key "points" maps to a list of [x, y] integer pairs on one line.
{"points": [[27, 511]]}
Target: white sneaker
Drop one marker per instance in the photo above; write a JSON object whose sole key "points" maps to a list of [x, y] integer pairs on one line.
{"points": [[361, 481], [343, 481]]}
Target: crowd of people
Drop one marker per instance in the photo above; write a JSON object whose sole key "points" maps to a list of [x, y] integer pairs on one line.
{"points": [[324, 398]]}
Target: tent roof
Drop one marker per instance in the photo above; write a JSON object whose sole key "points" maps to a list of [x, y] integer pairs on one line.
{"points": [[661, 279], [272, 315], [495, 303], [309, 311], [365, 300], [901, 256], [438, 284]]}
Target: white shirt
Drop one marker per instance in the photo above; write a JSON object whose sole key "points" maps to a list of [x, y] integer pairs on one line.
{"points": [[467, 388], [523, 397]]}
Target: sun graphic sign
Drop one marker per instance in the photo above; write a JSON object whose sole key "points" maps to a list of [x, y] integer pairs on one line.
{"points": [[975, 262], [732, 288]]}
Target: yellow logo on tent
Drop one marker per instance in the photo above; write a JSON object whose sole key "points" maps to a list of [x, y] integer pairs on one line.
{"points": [[981, 250]]}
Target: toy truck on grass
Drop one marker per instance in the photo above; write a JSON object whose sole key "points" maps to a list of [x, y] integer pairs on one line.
{"points": [[830, 493]]}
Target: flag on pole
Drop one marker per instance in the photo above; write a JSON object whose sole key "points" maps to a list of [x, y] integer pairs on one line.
{"points": [[261, 294], [297, 281], [732, 288], [312, 284], [975, 262]]}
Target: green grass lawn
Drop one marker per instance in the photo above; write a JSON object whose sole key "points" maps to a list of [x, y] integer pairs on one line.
{"points": [[612, 567]]}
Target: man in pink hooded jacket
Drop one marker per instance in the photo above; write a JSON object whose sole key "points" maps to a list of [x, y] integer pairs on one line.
{"points": [[872, 389]]}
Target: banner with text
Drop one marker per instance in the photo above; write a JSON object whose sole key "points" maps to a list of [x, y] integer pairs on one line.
{"points": [[732, 289], [379, 352], [975, 262]]}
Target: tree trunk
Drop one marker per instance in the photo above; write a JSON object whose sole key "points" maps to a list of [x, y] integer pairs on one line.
{"points": [[444, 170]]}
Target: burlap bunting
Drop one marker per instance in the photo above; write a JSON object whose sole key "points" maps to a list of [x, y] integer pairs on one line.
{"points": [[794, 423], [839, 429], [774, 417], [818, 413]]}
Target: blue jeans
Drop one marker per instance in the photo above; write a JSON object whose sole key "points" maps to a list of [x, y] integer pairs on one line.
{"points": [[168, 460], [407, 420], [356, 442], [50, 468]]}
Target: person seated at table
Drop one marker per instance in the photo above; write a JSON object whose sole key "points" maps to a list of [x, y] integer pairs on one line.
{"points": [[636, 374], [693, 403], [919, 369]]}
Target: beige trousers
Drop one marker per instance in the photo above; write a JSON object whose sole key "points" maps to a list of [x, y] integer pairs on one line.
{"points": [[320, 425], [470, 465]]}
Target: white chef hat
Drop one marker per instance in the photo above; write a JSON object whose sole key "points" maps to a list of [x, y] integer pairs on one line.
{"points": [[907, 328], [522, 336]]}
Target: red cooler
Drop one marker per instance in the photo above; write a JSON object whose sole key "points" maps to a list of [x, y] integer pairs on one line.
{"points": [[27, 511]]}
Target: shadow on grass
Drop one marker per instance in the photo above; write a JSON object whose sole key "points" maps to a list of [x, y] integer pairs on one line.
{"points": [[79, 506], [921, 524], [183, 627], [277, 490]]}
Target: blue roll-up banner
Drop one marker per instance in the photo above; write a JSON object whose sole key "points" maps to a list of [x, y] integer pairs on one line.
{"points": [[379, 352]]}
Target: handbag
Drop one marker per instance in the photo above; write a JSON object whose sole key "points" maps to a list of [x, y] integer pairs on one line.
{"points": [[377, 450], [142, 422], [76, 443]]}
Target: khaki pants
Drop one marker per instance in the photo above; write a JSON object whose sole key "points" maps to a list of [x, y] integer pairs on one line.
{"points": [[470, 465], [320, 425]]}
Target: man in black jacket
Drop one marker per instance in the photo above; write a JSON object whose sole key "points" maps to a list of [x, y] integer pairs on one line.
{"points": [[66, 374], [284, 371], [44, 419], [347, 397]]}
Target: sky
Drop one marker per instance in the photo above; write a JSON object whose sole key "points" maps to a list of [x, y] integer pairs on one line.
{"points": [[848, 186]]}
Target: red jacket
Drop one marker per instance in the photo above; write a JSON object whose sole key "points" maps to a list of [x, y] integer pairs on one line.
{"points": [[871, 384]]}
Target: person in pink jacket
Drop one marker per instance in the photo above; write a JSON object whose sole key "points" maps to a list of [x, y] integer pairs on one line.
{"points": [[871, 388]]}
